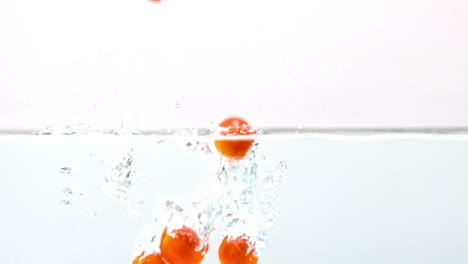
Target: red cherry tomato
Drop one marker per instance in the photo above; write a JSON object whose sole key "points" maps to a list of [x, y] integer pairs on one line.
{"points": [[154, 258], [237, 251], [238, 148], [182, 246]]}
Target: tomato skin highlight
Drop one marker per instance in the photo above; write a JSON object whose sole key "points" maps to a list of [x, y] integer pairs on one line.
{"points": [[154, 258], [238, 148], [182, 246]]}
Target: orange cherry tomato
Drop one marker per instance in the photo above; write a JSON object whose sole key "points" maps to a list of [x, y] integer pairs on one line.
{"points": [[237, 251], [154, 258], [238, 148], [182, 246]]}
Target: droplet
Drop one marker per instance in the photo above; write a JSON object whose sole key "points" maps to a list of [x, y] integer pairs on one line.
{"points": [[66, 202], [177, 105], [65, 170]]}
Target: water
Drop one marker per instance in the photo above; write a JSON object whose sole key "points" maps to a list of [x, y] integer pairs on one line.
{"points": [[308, 197]]}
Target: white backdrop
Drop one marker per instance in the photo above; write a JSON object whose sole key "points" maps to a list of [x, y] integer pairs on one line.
{"points": [[184, 63]]}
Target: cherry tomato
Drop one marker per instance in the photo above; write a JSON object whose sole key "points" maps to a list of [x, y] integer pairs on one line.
{"points": [[238, 148], [237, 251], [154, 258], [182, 246]]}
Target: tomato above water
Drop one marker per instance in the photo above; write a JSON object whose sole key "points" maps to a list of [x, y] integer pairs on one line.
{"points": [[182, 246], [154, 258], [238, 250], [236, 148]]}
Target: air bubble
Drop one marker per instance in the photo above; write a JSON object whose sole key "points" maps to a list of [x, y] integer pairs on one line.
{"points": [[65, 170], [67, 191]]}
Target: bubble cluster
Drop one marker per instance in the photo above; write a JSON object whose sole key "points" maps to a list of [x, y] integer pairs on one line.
{"points": [[119, 181], [250, 198], [245, 203]]}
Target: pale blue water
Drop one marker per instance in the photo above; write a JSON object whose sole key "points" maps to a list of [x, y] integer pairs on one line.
{"points": [[342, 199]]}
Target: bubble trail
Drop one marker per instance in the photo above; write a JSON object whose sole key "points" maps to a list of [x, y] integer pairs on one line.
{"points": [[119, 182], [247, 201]]}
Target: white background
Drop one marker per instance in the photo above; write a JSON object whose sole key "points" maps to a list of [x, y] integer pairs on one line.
{"points": [[277, 63]]}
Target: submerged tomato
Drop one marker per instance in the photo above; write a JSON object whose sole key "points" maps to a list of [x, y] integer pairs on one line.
{"points": [[154, 258], [237, 148], [237, 251], [182, 246]]}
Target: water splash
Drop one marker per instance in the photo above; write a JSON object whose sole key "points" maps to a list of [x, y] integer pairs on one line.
{"points": [[119, 181], [249, 203], [246, 202], [172, 216], [118, 184]]}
